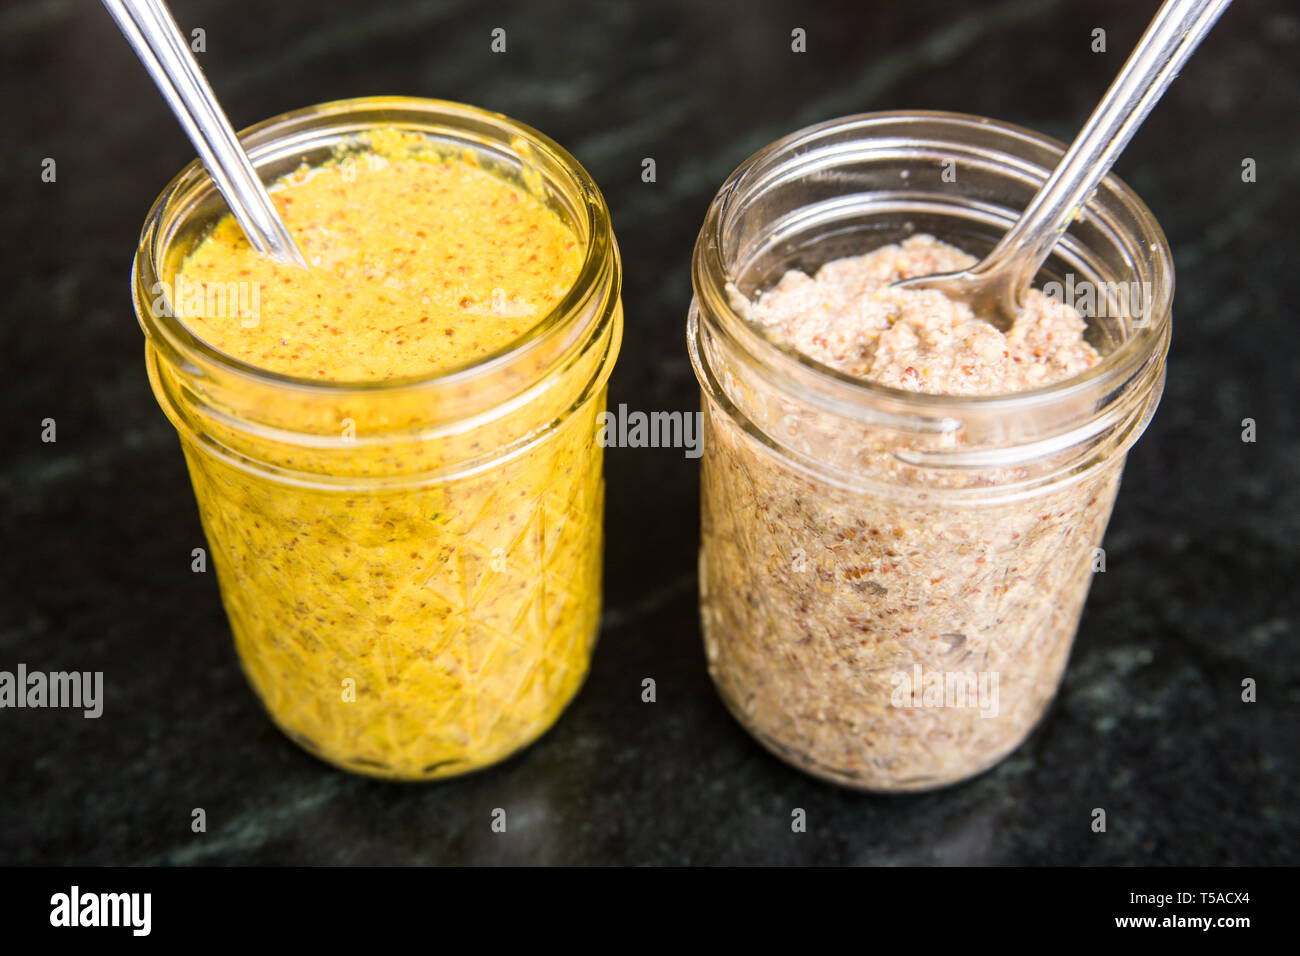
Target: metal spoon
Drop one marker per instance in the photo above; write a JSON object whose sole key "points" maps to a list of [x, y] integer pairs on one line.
{"points": [[994, 286], [152, 32]]}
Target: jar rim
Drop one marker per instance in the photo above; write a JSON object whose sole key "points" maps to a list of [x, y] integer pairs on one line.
{"points": [[269, 138], [842, 391]]}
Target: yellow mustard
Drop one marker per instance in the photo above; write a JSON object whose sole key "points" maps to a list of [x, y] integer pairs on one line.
{"points": [[418, 630]]}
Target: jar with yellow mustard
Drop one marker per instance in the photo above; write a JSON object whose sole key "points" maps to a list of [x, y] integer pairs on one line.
{"points": [[394, 451]]}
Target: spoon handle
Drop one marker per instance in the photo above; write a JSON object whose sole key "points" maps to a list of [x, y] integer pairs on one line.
{"points": [[1177, 29], [152, 32]]}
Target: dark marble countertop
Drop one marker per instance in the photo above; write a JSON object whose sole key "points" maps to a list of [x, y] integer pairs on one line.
{"points": [[1203, 551]]}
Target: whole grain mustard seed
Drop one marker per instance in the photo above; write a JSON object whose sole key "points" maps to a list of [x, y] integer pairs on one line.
{"points": [[850, 317], [413, 631], [420, 261]]}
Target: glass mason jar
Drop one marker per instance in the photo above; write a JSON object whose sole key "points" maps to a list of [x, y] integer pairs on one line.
{"points": [[891, 581], [411, 568]]}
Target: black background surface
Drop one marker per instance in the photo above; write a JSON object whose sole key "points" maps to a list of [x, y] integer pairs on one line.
{"points": [[1200, 590]]}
